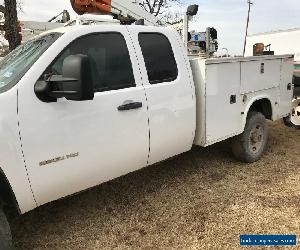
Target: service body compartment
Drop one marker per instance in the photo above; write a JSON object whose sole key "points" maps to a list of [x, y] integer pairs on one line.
{"points": [[259, 75], [226, 88]]}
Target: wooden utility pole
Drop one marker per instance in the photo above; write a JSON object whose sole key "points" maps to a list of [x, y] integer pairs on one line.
{"points": [[248, 19], [11, 24]]}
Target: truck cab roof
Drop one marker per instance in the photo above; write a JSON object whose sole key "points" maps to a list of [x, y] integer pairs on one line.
{"points": [[98, 28]]}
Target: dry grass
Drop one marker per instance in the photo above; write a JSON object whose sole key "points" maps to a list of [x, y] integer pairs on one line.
{"points": [[203, 199]]}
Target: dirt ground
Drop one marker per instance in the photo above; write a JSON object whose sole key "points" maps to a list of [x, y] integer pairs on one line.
{"points": [[203, 199]]}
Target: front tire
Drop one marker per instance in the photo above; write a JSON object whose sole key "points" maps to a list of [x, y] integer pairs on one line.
{"points": [[251, 144], [5, 233]]}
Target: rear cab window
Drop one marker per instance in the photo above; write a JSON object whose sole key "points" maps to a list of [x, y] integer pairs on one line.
{"points": [[159, 58]]}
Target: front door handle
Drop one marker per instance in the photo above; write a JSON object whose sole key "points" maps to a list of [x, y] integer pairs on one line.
{"points": [[130, 106]]}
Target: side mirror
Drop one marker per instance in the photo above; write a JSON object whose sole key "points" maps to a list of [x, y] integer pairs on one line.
{"points": [[75, 83]]}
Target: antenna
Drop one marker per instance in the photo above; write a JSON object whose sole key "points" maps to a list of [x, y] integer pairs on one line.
{"points": [[250, 3]]}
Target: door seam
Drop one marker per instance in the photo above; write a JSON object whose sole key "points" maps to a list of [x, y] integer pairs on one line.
{"points": [[145, 93], [22, 150]]}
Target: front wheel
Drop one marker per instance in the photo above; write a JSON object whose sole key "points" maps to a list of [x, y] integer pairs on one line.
{"points": [[5, 234], [251, 144]]}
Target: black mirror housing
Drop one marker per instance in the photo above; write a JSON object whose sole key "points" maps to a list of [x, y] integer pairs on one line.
{"points": [[80, 87], [75, 83]]}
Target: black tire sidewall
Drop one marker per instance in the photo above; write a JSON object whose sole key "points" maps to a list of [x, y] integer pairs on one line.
{"points": [[254, 119], [5, 233], [287, 122], [240, 145]]}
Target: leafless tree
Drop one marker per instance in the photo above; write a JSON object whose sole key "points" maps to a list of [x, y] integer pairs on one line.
{"points": [[19, 6], [173, 17], [157, 7], [9, 9]]}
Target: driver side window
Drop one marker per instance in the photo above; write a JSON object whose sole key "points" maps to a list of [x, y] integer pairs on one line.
{"points": [[111, 66]]}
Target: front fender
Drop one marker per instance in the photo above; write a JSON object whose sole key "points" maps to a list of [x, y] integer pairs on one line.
{"points": [[12, 162]]}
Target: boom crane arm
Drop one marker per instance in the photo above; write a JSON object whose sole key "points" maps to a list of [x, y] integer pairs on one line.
{"points": [[127, 11]]}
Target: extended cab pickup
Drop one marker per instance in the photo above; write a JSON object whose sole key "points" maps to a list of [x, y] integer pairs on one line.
{"points": [[82, 105]]}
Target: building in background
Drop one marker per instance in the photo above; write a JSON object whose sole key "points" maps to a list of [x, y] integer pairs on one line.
{"points": [[281, 42]]}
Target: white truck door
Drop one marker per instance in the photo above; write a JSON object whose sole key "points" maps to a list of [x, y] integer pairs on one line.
{"points": [[70, 146], [169, 91]]}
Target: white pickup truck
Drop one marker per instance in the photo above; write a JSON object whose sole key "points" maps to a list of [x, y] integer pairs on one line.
{"points": [[82, 105]]}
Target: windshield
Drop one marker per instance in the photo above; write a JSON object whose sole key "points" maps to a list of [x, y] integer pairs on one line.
{"points": [[15, 64]]}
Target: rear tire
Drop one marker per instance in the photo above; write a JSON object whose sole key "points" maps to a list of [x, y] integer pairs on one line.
{"points": [[5, 233], [251, 144]]}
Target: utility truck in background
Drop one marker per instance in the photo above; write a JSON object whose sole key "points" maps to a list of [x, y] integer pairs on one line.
{"points": [[82, 105], [281, 42]]}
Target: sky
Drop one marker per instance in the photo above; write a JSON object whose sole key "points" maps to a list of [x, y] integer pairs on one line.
{"points": [[227, 16]]}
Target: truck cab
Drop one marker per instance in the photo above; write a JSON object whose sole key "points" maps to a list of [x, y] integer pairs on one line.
{"points": [[140, 108]]}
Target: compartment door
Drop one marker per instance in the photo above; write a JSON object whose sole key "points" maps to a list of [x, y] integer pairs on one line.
{"points": [[223, 102], [259, 75], [286, 90]]}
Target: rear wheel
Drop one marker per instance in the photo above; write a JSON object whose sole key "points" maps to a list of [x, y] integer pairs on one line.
{"points": [[251, 144], [5, 234]]}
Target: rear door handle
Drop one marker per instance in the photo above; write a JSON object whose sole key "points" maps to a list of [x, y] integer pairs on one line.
{"points": [[130, 106]]}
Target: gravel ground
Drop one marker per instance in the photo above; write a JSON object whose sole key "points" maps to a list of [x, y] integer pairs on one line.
{"points": [[203, 199]]}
